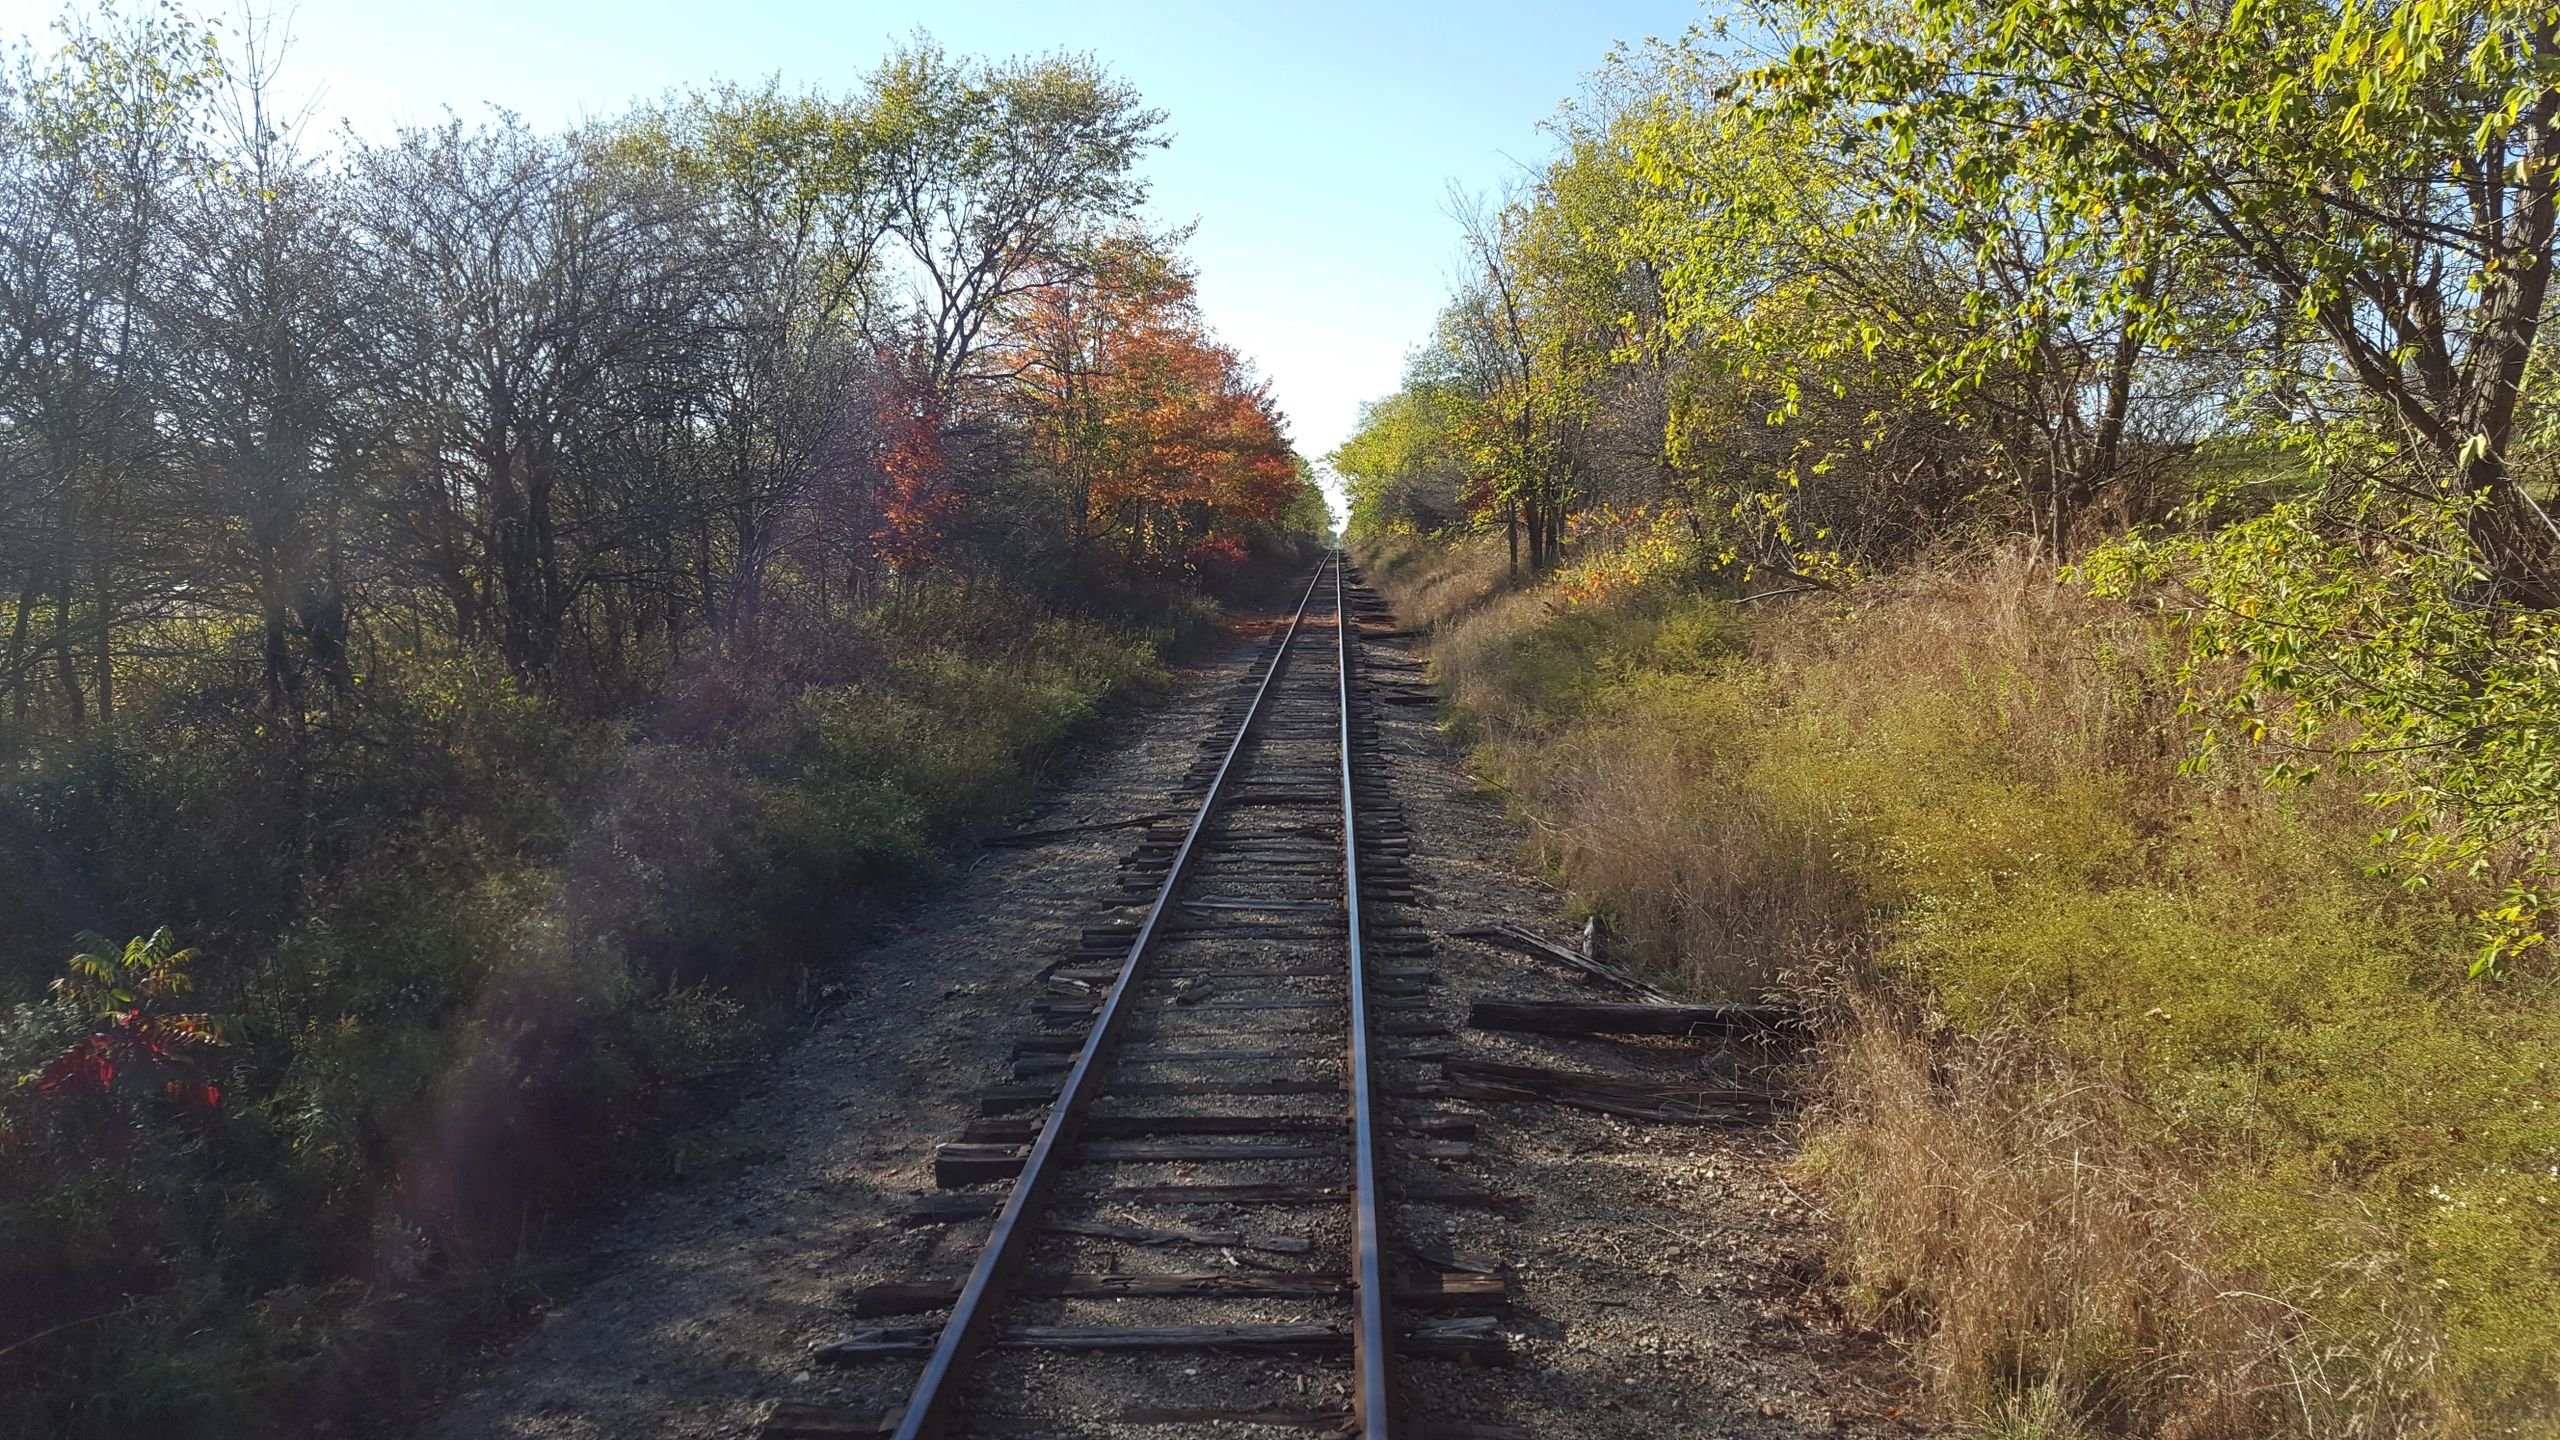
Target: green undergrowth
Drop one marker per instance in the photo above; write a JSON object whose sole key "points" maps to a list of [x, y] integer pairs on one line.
{"points": [[474, 964], [2150, 1105]]}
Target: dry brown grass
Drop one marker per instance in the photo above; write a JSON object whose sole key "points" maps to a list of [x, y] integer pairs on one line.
{"points": [[1431, 584], [1691, 868], [1642, 820], [1997, 1212], [1951, 815], [2020, 1219]]}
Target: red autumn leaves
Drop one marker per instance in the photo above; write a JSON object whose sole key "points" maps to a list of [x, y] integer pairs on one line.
{"points": [[136, 1048], [1163, 443], [161, 1048], [916, 495]]}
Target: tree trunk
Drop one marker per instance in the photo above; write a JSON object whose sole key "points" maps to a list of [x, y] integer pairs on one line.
{"points": [[2106, 447], [20, 664], [2517, 540], [66, 659], [102, 595], [276, 649]]}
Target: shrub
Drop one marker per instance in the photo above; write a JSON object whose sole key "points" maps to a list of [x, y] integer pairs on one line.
{"points": [[472, 958]]}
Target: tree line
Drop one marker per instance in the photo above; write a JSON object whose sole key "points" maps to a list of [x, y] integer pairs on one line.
{"points": [[2236, 312], [486, 613], [584, 398]]}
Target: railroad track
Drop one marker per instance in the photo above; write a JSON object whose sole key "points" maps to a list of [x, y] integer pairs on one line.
{"points": [[1186, 1186]]}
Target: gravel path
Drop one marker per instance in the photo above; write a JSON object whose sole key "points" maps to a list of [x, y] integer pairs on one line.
{"points": [[1667, 1276]]}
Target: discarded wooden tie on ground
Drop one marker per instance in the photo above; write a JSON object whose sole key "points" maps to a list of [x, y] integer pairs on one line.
{"points": [[1568, 1017], [1671, 1101], [1060, 832], [1512, 937]]}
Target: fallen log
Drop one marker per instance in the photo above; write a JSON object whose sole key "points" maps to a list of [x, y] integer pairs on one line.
{"points": [[1565, 1017]]}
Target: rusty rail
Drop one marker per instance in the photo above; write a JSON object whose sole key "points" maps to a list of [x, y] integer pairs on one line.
{"points": [[1372, 1344], [938, 1393]]}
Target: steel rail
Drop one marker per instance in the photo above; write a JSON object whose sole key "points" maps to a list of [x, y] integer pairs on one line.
{"points": [[938, 1391], [1372, 1344]]}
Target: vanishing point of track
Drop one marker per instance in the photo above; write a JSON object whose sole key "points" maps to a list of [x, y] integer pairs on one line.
{"points": [[1214, 1057]]}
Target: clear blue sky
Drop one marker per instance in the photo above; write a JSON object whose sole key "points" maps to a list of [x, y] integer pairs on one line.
{"points": [[1313, 142]]}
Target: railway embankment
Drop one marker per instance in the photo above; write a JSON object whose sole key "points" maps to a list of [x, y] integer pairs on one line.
{"points": [[1583, 1227], [2143, 1103]]}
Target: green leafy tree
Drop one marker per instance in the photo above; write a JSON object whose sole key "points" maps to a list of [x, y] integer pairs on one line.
{"points": [[2383, 174], [1402, 466], [991, 174]]}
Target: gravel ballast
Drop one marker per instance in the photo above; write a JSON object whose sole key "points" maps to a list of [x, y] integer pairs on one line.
{"points": [[1666, 1277]]}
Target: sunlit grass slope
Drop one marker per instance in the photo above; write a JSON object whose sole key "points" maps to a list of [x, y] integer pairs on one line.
{"points": [[2147, 1107]]}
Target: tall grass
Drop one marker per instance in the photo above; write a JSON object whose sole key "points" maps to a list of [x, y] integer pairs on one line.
{"points": [[2145, 1105]]}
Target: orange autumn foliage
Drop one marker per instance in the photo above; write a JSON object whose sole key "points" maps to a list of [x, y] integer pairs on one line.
{"points": [[1165, 437], [916, 497]]}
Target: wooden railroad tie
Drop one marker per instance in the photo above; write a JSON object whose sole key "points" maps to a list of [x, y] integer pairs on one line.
{"points": [[1475, 1339], [962, 1163], [952, 1207], [1056, 832], [800, 1420], [1008, 1099], [1423, 1291], [1022, 1129]]}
